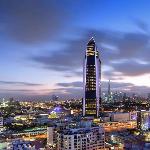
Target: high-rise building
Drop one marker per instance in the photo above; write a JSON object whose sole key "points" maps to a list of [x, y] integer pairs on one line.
{"points": [[81, 139], [149, 96], [91, 80], [125, 96], [109, 93], [50, 136], [143, 120]]}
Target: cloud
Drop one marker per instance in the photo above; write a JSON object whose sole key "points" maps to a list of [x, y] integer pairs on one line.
{"points": [[112, 75], [30, 21], [113, 46], [67, 59], [132, 43], [74, 89], [143, 26], [24, 94], [70, 58], [24, 90], [132, 68], [115, 85], [69, 92], [104, 85], [19, 83], [21, 89], [140, 89], [71, 84]]}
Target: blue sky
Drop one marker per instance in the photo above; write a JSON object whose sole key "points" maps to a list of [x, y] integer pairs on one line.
{"points": [[42, 45]]}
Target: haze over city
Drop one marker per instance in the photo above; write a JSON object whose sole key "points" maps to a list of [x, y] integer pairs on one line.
{"points": [[42, 45]]}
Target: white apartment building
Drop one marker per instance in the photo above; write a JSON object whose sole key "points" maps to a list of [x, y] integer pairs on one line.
{"points": [[50, 136], [92, 138]]}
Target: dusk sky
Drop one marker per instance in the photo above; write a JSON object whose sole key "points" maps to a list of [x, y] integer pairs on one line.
{"points": [[42, 45]]}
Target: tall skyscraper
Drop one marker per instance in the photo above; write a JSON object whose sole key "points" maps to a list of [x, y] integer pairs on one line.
{"points": [[109, 93], [91, 80], [149, 96]]}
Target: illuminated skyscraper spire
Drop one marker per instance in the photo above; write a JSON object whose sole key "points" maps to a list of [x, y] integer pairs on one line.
{"points": [[91, 41], [91, 80]]}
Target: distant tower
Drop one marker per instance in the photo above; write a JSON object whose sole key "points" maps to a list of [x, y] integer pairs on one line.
{"points": [[50, 136], [54, 97], [109, 93], [91, 80], [124, 96], [149, 96]]}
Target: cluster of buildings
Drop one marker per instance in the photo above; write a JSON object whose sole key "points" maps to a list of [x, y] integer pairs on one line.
{"points": [[86, 138], [90, 127], [76, 135]]}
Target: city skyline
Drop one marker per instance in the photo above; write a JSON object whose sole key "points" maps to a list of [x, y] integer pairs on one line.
{"points": [[43, 55]]}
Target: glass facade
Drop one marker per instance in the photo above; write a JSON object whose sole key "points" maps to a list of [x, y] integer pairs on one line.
{"points": [[92, 74], [143, 120]]}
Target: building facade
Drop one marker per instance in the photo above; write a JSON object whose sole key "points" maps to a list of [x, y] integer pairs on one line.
{"points": [[91, 81], [1, 122], [50, 136], [143, 120], [81, 139]]}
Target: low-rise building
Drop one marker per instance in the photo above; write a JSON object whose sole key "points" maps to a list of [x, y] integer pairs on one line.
{"points": [[20, 145]]}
